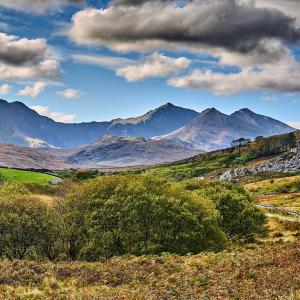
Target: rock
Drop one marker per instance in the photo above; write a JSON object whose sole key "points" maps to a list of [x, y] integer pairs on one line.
{"points": [[288, 162]]}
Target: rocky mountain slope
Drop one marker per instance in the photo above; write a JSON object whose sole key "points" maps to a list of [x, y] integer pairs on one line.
{"points": [[112, 151], [288, 162], [12, 156], [212, 130], [156, 122], [26, 122]]}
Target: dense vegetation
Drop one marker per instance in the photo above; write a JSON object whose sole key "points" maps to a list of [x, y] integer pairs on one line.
{"points": [[117, 215]]}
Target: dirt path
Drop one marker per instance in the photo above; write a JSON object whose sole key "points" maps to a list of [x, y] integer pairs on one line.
{"points": [[288, 215]]}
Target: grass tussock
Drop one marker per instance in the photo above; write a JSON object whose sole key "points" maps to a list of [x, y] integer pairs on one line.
{"points": [[259, 273]]}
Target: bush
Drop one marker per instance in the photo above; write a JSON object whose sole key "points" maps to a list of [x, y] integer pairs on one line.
{"points": [[27, 227], [240, 218], [139, 215], [2, 178]]}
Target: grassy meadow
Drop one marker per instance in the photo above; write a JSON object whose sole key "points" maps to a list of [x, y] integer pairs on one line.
{"points": [[22, 176]]}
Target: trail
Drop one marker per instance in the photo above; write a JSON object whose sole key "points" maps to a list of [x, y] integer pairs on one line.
{"points": [[282, 211], [284, 218]]}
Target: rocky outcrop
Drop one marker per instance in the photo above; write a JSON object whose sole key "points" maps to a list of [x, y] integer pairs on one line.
{"points": [[288, 162]]}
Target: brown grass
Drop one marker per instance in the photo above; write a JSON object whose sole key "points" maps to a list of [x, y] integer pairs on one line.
{"points": [[272, 272]]}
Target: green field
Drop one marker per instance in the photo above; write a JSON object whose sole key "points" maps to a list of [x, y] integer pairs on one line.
{"points": [[26, 176]]}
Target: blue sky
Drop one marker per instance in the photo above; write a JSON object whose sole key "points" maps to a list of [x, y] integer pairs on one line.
{"points": [[101, 78]]}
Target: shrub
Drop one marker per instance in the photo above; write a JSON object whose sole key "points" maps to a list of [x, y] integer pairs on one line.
{"points": [[139, 215], [27, 226], [2, 178], [239, 217]]}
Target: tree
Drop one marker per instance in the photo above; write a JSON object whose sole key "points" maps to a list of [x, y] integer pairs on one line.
{"points": [[27, 226], [239, 216], [139, 215], [239, 143]]}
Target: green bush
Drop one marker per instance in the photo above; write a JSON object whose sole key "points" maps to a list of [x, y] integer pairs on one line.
{"points": [[239, 217], [2, 178], [28, 227], [139, 215]]}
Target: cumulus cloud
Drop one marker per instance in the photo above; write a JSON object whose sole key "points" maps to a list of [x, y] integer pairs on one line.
{"points": [[284, 77], [37, 6], [71, 94], [22, 58], [268, 51], [4, 89], [157, 65], [59, 117], [289, 7], [138, 2], [196, 26], [34, 90]]}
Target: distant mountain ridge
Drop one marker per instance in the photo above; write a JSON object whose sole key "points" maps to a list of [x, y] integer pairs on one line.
{"points": [[165, 134], [27, 123], [112, 151], [212, 130], [205, 131]]}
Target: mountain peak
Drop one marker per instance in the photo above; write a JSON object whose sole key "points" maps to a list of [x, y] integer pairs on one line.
{"points": [[168, 105], [210, 111], [246, 110]]}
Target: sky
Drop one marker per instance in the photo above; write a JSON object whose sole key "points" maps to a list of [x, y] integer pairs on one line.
{"points": [[79, 61]]}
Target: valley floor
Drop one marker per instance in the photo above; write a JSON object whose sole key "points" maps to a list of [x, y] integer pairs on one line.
{"points": [[259, 272]]}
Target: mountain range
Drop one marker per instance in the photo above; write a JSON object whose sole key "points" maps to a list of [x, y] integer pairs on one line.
{"points": [[167, 133], [212, 130], [28, 128]]}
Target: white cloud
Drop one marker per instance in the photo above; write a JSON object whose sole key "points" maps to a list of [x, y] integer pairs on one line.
{"points": [[4, 89], [270, 98], [281, 77], [71, 94], [294, 124], [37, 6], [34, 90], [156, 65], [22, 58], [59, 117], [267, 51], [112, 62]]}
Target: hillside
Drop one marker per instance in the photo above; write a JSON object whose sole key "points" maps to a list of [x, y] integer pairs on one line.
{"points": [[125, 151], [27, 158], [258, 153], [212, 130]]}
